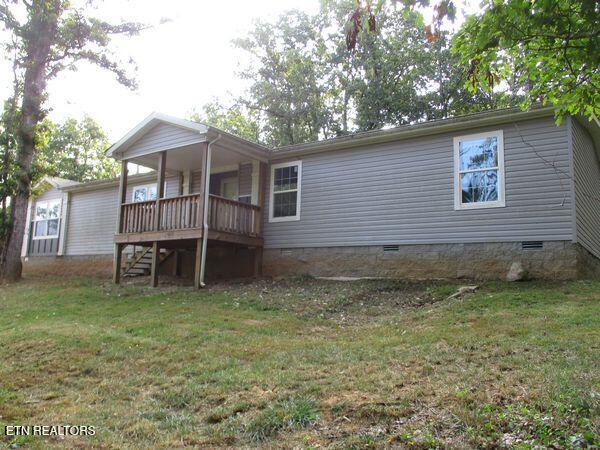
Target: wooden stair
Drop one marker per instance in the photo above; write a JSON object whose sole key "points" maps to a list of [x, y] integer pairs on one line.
{"points": [[140, 263]]}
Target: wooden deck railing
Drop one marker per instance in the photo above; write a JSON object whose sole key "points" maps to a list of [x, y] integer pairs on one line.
{"points": [[185, 212], [233, 217], [180, 213], [139, 217]]}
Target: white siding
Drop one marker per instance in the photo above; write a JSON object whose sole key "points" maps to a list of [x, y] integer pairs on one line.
{"points": [[402, 193], [587, 190]]}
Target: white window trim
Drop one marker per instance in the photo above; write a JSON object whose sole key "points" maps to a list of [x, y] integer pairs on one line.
{"points": [[142, 186], [298, 190], [36, 220], [500, 203]]}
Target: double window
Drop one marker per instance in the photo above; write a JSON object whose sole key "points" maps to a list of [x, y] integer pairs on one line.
{"points": [[285, 191], [144, 193], [47, 214], [479, 170]]}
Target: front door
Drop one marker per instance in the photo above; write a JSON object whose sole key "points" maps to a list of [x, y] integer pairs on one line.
{"points": [[229, 188]]}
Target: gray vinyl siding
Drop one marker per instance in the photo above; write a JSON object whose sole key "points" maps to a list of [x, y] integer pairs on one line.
{"points": [[50, 194], [587, 189], [403, 193], [92, 222], [172, 186], [245, 180], [161, 137], [196, 181], [93, 218]]}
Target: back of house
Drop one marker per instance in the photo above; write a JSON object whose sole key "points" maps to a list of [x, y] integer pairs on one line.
{"points": [[466, 197]]}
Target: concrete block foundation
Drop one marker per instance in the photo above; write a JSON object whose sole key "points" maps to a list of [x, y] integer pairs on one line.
{"points": [[556, 260]]}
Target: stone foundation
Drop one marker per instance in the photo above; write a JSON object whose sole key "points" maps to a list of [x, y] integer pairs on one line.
{"points": [[556, 260], [99, 266]]}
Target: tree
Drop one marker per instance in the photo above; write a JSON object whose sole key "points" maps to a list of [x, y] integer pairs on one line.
{"points": [[314, 77], [53, 36], [75, 151], [235, 119], [287, 87], [550, 47]]}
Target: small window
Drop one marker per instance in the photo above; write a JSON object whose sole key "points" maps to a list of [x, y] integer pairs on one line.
{"points": [[144, 193], [479, 170], [47, 215], [285, 191]]}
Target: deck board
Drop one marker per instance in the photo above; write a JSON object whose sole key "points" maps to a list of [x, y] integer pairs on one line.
{"points": [[179, 235]]}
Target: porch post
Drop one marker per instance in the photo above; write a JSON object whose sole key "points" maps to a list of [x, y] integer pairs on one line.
{"points": [[197, 263], [262, 181], [160, 193], [258, 252], [160, 186], [155, 262], [118, 251]]}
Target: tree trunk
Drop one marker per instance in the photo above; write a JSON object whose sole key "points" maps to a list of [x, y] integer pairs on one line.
{"points": [[42, 28]]}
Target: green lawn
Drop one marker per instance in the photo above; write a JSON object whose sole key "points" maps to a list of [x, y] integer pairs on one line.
{"points": [[303, 364]]}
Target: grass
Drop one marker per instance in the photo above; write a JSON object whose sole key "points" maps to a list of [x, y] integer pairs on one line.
{"points": [[302, 363]]}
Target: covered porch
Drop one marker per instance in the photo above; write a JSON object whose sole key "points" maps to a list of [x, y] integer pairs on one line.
{"points": [[209, 188]]}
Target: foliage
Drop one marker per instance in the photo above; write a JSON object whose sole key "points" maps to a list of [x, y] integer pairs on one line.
{"points": [[287, 75], [76, 36], [44, 38], [75, 151], [307, 85], [549, 47], [364, 17], [235, 119]]}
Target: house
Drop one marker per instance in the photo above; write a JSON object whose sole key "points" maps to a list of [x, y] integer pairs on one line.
{"points": [[461, 197]]}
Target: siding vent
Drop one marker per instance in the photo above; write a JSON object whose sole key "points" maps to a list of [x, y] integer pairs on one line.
{"points": [[286, 252], [532, 245], [391, 248]]}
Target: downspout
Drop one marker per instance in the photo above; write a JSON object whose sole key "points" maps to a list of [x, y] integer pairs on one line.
{"points": [[205, 215]]}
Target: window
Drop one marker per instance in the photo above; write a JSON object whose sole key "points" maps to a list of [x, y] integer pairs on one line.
{"points": [[144, 193], [47, 214], [479, 171], [285, 191]]}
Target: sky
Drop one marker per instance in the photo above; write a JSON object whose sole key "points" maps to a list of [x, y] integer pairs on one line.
{"points": [[186, 59]]}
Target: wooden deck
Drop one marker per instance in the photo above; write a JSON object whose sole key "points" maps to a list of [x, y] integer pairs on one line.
{"points": [[180, 218]]}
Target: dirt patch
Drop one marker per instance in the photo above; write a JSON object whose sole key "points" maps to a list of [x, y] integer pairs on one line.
{"points": [[342, 301]]}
